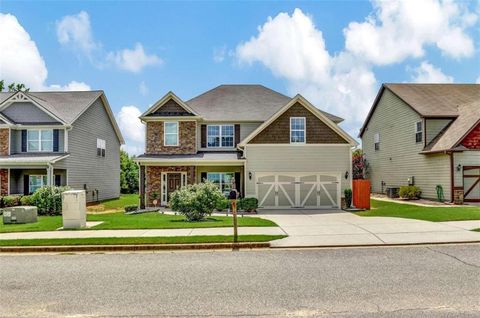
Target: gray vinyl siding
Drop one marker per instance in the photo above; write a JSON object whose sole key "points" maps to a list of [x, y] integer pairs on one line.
{"points": [[434, 126], [399, 156], [16, 141], [466, 158], [27, 113], [297, 158], [246, 128], [83, 166]]}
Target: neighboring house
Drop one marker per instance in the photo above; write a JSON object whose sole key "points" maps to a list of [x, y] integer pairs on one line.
{"points": [[59, 138], [426, 135], [281, 150]]}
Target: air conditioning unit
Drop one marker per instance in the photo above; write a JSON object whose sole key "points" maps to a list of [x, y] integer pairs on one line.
{"points": [[20, 214]]}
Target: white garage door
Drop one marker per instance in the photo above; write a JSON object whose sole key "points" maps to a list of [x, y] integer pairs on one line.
{"points": [[298, 190]]}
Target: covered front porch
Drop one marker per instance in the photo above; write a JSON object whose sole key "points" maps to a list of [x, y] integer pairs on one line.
{"points": [[160, 176]]}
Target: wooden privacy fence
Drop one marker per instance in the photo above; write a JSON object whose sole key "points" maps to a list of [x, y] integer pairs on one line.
{"points": [[361, 194]]}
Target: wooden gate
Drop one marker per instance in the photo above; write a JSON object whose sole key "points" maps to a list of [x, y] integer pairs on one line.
{"points": [[471, 183]]}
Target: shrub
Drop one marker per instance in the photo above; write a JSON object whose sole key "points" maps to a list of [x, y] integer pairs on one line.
{"points": [[222, 204], [26, 200], [48, 200], [10, 200], [409, 192], [131, 208], [348, 198], [196, 201], [248, 204]]}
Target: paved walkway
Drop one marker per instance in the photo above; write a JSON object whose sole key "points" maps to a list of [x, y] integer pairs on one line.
{"points": [[142, 233], [333, 228]]}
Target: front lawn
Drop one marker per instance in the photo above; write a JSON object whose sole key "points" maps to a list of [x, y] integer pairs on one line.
{"points": [[114, 205], [434, 214], [152, 220], [141, 240]]}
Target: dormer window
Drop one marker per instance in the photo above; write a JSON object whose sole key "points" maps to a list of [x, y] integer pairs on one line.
{"points": [[39, 140], [171, 133], [297, 130], [418, 131]]}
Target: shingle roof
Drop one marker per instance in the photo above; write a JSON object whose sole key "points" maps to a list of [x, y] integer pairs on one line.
{"points": [[241, 103], [65, 105]]}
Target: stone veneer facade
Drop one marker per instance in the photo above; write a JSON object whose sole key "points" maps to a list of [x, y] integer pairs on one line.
{"points": [[4, 142], [154, 179], [3, 182], [187, 139]]}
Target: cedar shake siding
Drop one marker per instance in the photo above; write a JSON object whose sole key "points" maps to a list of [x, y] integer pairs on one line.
{"points": [[186, 139], [317, 132], [4, 142], [472, 140], [154, 178], [171, 108]]}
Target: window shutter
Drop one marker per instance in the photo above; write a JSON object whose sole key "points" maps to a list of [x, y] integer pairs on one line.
{"points": [[203, 176], [203, 136], [237, 134], [26, 180], [55, 140], [24, 140], [58, 180], [237, 183]]}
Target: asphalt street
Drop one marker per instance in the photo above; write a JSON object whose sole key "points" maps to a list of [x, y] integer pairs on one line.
{"points": [[427, 281]]}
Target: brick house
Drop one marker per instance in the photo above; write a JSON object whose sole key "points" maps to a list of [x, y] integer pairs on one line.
{"points": [[281, 150], [427, 135]]}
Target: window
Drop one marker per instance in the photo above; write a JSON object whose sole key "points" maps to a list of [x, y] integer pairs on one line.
{"points": [[35, 182], [297, 130], [220, 136], [222, 180], [40, 140], [101, 146], [418, 131], [170, 134], [376, 141]]}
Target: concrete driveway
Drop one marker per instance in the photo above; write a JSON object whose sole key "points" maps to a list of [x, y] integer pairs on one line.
{"points": [[339, 228]]}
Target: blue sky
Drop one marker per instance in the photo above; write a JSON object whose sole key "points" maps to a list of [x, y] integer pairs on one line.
{"points": [[335, 53]]}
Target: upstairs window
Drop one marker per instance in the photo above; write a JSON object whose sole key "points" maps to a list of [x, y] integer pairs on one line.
{"points": [[297, 130], [170, 134], [39, 140], [101, 146], [376, 141], [220, 136], [418, 131]]}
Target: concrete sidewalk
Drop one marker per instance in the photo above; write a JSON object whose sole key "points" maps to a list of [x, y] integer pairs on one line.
{"points": [[142, 233], [309, 228]]}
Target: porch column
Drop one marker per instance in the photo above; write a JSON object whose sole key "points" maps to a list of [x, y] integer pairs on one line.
{"points": [[141, 186], [49, 175]]}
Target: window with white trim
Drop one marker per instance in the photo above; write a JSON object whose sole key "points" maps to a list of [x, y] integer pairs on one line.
{"points": [[418, 131], [170, 133], [220, 136], [376, 141], [39, 140], [35, 182], [222, 179], [297, 130], [101, 147]]}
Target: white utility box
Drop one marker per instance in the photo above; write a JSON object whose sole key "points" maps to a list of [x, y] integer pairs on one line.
{"points": [[74, 209]]}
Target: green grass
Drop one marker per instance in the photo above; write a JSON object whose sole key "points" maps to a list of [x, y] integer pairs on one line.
{"points": [[140, 240], [476, 230], [120, 221], [115, 204], [434, 214]]}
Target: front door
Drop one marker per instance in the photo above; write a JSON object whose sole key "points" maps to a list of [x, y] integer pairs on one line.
{"points": [[174, 182]]}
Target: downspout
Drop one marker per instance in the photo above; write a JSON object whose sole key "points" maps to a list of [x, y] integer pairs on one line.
{"points": [[451, 176]]}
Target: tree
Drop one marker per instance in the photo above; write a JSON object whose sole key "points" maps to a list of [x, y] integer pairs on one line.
{"points": [[128, 173], [359, 165], [2, 85], [13, 87]]}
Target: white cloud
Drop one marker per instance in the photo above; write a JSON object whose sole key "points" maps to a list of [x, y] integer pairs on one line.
{"points": [[294, 49], [75, 30], [133, 60], [401, 29], [427, 73], [20, 60], [132, 129], [143, 88], [478, 80], [219, 54]]}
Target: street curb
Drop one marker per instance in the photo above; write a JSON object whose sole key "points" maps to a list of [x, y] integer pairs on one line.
{"points": [[131, 248], [374, 245]]}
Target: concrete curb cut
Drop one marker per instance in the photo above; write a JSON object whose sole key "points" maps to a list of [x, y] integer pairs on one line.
{"points": [[375, 245], [130, 248]]}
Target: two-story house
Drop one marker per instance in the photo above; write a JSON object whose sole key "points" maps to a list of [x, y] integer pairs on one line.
{"points": [[281, 150], [59, 138], [425, 135]]}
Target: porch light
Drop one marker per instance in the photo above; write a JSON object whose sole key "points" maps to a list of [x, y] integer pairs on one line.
{"points": [[346, 174], [249, 175], [459, 167]]}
